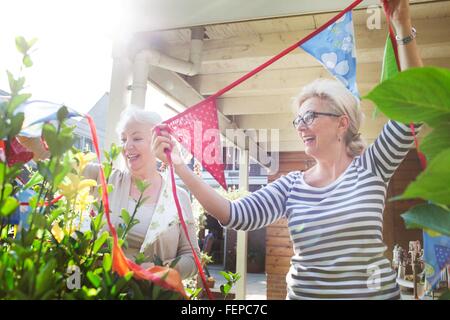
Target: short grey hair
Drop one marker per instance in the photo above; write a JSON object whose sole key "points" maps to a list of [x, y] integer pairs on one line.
{"points": [[135, 113], [341, 101]]}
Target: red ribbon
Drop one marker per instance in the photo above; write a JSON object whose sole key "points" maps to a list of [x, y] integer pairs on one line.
{"points": [[183, 223]]}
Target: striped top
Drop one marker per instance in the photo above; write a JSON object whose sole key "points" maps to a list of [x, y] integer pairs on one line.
{"points": [[336, 230]]}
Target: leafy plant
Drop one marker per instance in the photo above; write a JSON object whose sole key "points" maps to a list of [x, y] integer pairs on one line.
{"points": [[423, 95], [58, 249], [231, 278]]}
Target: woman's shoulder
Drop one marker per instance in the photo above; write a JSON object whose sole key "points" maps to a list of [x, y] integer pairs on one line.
{"points": [[289, 177]]}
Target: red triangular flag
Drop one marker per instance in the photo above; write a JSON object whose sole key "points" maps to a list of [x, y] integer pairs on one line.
{"points": [[197, 129], [17, 153]]}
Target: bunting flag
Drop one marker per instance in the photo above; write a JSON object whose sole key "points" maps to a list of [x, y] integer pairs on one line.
{"points": [[436, 251], [38, 112], [334, 48], [197, 129], [389, 67]]}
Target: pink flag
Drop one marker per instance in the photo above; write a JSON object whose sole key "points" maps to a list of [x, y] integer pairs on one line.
{"points": [[197, 129]]}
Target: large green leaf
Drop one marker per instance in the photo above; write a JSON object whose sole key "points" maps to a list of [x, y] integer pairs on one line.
{"points": [[433, 183], [415, 95], [437, 141], [429, 217]]}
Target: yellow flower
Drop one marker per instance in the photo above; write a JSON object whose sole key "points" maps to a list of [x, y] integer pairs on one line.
{"points": [[82, 160], [57, 232], [84, 200], [73, 185]]}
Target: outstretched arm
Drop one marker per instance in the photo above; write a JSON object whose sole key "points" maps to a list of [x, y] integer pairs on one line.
{"points": [[400, 16], [214, 204]]}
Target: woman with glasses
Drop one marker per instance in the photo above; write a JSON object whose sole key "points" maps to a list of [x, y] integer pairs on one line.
{"points": [[334, 209]]}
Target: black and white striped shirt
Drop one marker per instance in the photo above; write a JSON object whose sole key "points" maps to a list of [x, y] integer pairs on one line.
{"points": [[336, 230]]}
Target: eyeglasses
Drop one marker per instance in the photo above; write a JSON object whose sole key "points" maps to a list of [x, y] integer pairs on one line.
{"points": [[308, 118]]}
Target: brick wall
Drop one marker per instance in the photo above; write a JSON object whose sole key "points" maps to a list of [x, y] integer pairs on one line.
{"points": [[278, 243]]}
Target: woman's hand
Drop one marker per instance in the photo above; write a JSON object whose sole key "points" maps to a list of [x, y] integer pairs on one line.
{"points": [[399, 14], [161, 140]]}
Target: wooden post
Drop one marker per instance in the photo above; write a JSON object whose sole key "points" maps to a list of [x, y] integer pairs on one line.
{"points": [[241, 250], [118, 92]]}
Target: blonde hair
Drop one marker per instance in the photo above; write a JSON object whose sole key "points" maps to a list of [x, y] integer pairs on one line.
{"points": [[134, 113], [340, 101]]}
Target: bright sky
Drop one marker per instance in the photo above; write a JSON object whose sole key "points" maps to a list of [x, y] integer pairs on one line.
{"points": [[72, 63]]}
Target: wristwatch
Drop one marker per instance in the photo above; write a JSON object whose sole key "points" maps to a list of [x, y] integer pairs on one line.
{"points": [[407, 39]]}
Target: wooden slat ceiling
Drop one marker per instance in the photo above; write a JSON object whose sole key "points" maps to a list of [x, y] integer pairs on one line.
{"points": [[263, 102]]}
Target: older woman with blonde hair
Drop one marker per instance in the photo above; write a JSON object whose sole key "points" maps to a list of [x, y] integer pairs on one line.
{"points": [[334, 209], [159, 232]]}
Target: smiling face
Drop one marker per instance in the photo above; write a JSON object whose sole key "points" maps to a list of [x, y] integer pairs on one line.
{"points": [[135, 139], [321, 136]]}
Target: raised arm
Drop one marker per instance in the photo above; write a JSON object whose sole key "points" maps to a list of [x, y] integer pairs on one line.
{"points": [[251, 212], [214, 204], [408, 53]]}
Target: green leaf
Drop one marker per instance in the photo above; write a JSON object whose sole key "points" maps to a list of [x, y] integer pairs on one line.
{"points": [[62, 171], [436, 141], [9, 205], [35, 179], [44, 170], [43, 280], [100, 241], [125, 216], [140, 258], [16, 124], [27, 62], [141, 185], [225, 275], [225, 288], [17, 100], [7, 190], [50, 136], [107, 262], [107, 169], [115, 151], [433, 183], [12, 82], [98, 221], [94, 279], [415, 95], [428, 216], [22, 45], [62, 113]]}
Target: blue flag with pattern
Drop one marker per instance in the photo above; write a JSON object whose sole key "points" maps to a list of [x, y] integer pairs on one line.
{"points": [[436, 252], [334, 47]]}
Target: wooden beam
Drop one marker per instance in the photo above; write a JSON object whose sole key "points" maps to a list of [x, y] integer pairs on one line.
{"points": [[419, 10], [244, 53], [289, 81]]}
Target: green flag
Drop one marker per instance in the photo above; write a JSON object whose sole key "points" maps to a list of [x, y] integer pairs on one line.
{"points": [[389, 64], [389, 68]]}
